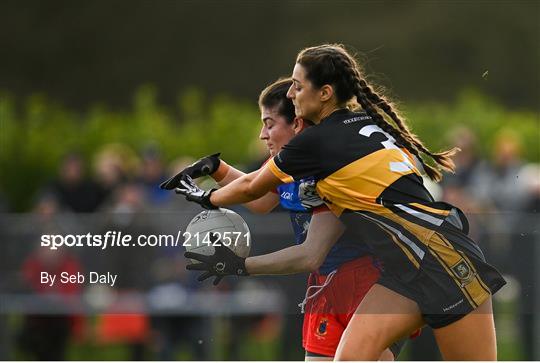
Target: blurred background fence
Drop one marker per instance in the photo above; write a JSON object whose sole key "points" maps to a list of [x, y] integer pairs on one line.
{"points": [[157, 310], [100, 101]]}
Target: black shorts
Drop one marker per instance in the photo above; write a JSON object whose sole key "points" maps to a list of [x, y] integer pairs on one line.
{"points": [[452, 281]]}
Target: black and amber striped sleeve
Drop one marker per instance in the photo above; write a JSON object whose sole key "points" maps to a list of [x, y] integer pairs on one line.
{"points": [[299, 159]]}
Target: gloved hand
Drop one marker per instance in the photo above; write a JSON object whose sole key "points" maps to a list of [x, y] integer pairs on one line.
{"points": [[204, 166], [222, 263], [195, 194]]}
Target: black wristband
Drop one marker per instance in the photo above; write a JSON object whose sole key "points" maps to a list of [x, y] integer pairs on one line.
{"points": [[242, 270], [205, 200], [205, 166]]}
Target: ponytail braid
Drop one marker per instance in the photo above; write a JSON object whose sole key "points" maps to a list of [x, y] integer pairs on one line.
{"points": [[332, 64], [392, 131], [359, 88], [443, 159]]}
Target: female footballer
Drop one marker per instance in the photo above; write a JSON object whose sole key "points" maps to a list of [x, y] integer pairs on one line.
{"points": [[368, 166], [340, 267]]}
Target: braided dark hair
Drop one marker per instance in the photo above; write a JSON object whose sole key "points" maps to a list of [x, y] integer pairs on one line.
{"points": [[332, 64]]}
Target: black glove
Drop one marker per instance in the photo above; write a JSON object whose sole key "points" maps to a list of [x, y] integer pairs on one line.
{"points": [[204, 166], [195, 194], [222, 263]]}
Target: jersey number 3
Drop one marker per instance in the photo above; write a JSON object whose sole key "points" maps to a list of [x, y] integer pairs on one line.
{"points": [[390, 144]]}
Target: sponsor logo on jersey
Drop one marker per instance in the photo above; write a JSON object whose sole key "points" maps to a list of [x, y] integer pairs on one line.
{"points": [[463, 271], [322, 328], [287, 195], [450, 307], [356, 119]]}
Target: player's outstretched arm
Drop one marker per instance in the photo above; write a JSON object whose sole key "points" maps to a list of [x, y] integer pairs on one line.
{"points": [[324, 231], [246, 188], [227, 174], [223, 174], [242, 190]]}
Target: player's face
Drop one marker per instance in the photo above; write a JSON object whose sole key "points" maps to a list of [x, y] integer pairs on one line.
{"points": [[305, 97], [275, 132]]}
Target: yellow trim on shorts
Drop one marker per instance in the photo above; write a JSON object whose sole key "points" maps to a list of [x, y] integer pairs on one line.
{"points": [[475, 288], [458, 283], [405, 249], [286, 178], [464, 256], [421, 233], [480, 281]]}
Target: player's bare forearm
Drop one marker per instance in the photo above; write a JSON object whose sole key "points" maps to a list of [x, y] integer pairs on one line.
{"points": [[324, 231], [290, 260], [246, 188], [228, 174], [264, 204]]}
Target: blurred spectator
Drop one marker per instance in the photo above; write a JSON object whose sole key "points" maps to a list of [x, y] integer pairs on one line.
{"points": [[45, 337], [496, 184], [173, 331], [526, 249], [127, 216], [171, 284], [114, 164], [74, 191], [458, 196], [132, 329], [152, 174], [19, 234], [507, 190], [53, 262], [469, 165], [491, 193]]}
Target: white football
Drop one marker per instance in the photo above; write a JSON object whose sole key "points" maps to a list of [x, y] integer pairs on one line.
{"points": [[229, 227]]}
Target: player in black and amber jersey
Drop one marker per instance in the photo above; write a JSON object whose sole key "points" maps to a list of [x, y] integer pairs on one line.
{"points": [[338, 282], [368, 166]]}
